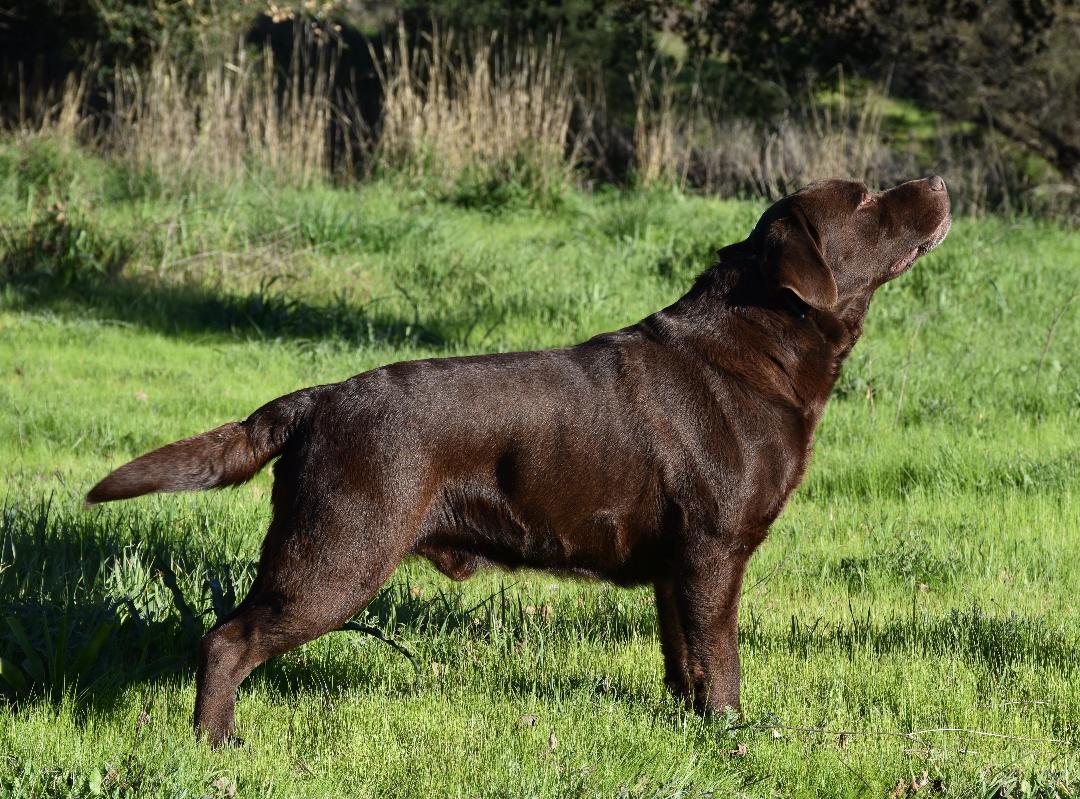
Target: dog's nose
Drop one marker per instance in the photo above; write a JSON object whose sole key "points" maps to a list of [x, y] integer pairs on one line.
{"points": [[936, 183]]}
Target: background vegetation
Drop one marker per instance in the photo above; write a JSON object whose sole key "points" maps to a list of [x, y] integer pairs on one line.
{"points": [[729, 98], [202, 207]]}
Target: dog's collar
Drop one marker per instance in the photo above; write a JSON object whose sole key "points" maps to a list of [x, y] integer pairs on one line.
{"points": [[795, 304]]}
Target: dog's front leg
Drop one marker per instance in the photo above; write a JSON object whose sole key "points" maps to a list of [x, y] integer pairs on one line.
{"points": [[708, 598], [672, 637]]}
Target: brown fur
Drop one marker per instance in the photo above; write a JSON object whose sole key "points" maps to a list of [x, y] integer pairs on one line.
{"points": [[659, 453]]}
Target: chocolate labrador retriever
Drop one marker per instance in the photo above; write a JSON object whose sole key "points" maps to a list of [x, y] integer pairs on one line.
{"points": [[659, 453]]}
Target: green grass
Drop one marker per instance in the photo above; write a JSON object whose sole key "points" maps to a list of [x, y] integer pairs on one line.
{"points": [[923, 578]]}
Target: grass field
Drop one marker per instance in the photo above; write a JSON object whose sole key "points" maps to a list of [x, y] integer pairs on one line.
{"points": [[911, 627]]}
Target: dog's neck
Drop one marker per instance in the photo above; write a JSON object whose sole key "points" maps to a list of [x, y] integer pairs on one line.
{"points": [[798, 307], [800, 348]]}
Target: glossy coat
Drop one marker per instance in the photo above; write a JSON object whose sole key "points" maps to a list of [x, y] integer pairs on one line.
{"points": [[659, 453]]}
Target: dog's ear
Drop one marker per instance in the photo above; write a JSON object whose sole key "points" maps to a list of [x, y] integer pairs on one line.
{"points": [[794, 259]]}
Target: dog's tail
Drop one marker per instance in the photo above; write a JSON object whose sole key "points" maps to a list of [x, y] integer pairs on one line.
{"points": [[225, 456]]}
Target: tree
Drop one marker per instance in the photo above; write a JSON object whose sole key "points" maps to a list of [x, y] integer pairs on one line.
{"points": [[1012, 66]]}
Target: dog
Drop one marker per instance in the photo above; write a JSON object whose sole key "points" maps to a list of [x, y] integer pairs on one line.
{"points": [[660, 453]]}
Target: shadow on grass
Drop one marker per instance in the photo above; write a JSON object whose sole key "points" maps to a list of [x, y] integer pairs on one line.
{"points": [[98, 602], [286, 678], [266, 313], [92, 602], [997, 642]]}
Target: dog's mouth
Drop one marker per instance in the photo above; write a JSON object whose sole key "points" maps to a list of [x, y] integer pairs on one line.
{"points": [[934, 240]]}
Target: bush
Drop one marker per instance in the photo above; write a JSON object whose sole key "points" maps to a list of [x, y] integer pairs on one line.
{"points": [[516, 183], [59, 247]]}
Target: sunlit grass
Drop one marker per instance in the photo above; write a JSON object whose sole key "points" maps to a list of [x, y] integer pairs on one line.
{"points": [[914, 609]]}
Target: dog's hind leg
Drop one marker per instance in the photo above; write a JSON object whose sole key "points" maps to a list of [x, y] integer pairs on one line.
{"points": [[312, 578]]}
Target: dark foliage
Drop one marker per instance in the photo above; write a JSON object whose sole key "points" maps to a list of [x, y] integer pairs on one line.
{"points": [[996, 72], [1006, 65]]}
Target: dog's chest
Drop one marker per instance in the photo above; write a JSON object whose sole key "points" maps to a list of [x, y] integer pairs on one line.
{"points": [[735, 474]]}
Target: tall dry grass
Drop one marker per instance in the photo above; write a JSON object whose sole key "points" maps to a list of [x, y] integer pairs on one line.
{"points": [[661, 130], [695, 144], [838, 135], [233, 116], [686, 141], [61, 112], [452, 105], [212, 117], [449, 106], [486, 113]]}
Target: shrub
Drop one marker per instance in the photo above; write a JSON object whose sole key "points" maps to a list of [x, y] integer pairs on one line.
{"points": [[57, 246]]}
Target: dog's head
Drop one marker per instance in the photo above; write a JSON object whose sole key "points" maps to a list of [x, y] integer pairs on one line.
{"points": [[835, 242]]}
